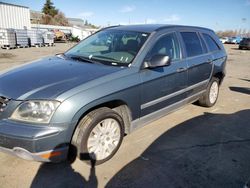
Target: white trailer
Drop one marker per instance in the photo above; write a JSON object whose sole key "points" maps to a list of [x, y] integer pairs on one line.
{"points": [[80, 33], [74, 30], [14, 16]]}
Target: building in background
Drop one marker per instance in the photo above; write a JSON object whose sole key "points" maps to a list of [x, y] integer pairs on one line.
{"points": [[14, 16], [75, 31], [76, 22], [65, 29], [21, 17]]}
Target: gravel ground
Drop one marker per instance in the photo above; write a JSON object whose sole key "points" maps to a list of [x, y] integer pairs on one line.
{"points": [[192, 147]]}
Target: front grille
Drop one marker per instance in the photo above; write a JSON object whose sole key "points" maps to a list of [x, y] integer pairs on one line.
{"points": [[3, 103]]}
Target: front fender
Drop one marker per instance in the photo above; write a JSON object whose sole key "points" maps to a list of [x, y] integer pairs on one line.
{"points": [[126, 90]]}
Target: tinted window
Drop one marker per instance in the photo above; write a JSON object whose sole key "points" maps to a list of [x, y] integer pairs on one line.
{"points": [[210, 42], [246, 39], [192, 43], [167, 45]]}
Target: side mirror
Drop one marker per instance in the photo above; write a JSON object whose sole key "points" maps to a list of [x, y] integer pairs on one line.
{"points": [[157, 61]]}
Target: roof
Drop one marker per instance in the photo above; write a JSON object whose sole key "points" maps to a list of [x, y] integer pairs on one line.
{"points": [[149, 28], [13, 5]]}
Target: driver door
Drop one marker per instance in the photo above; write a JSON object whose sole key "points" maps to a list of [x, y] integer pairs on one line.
{"points": [[163, 86]]}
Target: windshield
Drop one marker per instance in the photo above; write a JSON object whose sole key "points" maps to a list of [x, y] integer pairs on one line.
{"points": [[112, 47]]}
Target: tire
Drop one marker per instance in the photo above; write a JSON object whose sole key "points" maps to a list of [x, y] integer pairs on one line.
{"points": [[209, 98], [102, 131]]}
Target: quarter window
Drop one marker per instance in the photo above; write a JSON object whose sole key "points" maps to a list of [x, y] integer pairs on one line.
{"points": [[212, 45], [192, 43], [167, 45]]}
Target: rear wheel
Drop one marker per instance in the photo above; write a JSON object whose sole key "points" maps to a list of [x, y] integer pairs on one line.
{"points": [[210, 97], [98, 135]]}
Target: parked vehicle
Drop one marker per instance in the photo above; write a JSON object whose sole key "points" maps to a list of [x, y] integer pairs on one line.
{"points": [[244, 44], [224, 40], [117, 80], [59, 35], [236, 40], [233, 40]]}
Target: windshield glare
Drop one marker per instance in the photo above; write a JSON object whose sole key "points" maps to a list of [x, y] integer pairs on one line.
{"points": [[110, 46]]}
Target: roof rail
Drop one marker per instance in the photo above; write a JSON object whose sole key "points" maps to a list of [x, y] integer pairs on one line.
{"points": [[109, 27]]}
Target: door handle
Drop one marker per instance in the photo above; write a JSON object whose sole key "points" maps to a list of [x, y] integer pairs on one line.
{"points": [[182, 69]]}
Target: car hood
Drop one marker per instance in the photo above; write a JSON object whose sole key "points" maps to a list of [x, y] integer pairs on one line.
{"points": [[49, 77]]}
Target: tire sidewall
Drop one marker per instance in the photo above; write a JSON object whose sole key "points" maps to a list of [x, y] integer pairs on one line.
{"points": [[209, 90], [85, 135]]}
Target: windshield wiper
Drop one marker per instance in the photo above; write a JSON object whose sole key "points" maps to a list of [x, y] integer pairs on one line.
{"points": [[109, 61], [104, 58], [84, 59]]}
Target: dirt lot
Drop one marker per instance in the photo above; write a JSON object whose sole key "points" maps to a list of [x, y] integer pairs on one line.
{"points": [[192, 147]]}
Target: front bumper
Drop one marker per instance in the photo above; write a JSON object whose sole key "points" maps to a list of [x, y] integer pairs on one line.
{"points": [[56, 155], [39, 143]]}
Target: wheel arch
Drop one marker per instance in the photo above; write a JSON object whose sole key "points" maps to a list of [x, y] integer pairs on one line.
{"points": [[220, 75], [118, 106]]}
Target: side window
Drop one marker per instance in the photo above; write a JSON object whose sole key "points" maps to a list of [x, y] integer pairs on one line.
{"points": [[212, 45], [192, 43], [167, 45]]}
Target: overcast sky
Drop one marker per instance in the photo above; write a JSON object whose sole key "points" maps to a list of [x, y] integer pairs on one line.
{"points": [[215, 14]]}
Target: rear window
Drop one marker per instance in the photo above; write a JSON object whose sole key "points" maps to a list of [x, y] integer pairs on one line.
{"points": [[192, 43], [212, 45]]}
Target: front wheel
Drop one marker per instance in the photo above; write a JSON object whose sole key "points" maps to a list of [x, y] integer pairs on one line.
{"points": [[98, 135], [210, 97]]}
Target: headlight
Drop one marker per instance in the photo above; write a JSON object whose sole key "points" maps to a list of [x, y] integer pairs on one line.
{"points": [[35, 111]]}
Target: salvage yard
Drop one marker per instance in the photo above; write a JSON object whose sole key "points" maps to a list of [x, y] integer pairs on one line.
{"points": [[192, 147]]}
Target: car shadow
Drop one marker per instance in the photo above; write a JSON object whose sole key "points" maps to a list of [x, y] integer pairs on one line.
{"points": [[62, 175], [243, 79], [244, 90], [211, 150]]}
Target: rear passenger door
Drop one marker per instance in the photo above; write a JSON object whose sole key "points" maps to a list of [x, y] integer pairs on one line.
{"points": [[218, 55], [199, 62]]}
